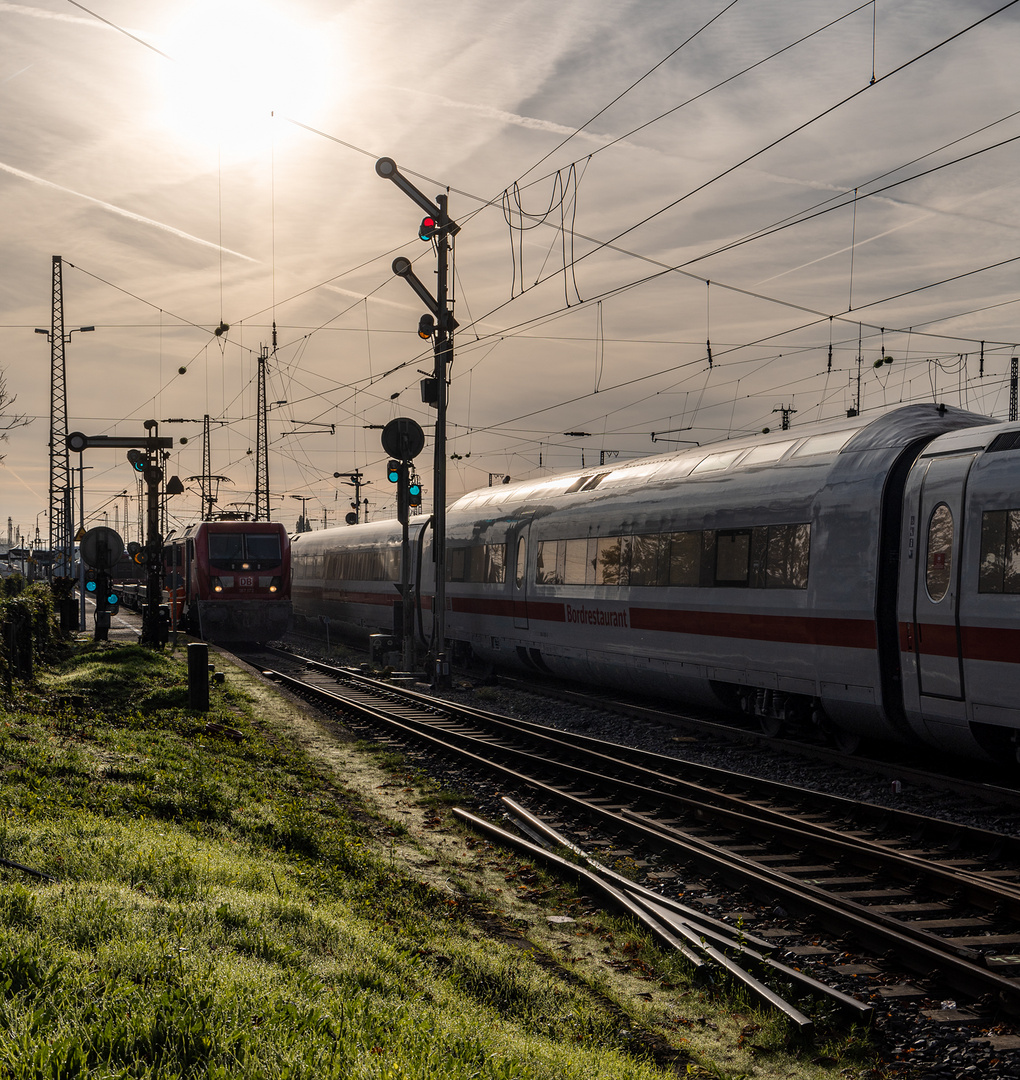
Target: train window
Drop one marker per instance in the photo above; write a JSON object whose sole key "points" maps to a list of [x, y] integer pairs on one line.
{"points": [[549, 564], [610, 562], [575, 562], [685, 558], [495, 563], [478, 564], [732, 557], [456, 564], [768, 452], [789, 552], [716, 462], [824, 444], [263, 547], [999, 570], [649, 559], [939, 565], [522, 554], [759, 556], [226, 548]]}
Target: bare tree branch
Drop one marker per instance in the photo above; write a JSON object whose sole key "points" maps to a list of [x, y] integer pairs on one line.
{"points": [[9, 421]]}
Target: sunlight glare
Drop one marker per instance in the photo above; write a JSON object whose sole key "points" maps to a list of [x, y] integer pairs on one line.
{"points": [[237, 62]]}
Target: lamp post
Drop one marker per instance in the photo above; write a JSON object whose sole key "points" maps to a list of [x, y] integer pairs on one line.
{"points": [[303, 499]]}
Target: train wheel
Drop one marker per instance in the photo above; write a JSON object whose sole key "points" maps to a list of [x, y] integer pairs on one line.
{"points": [[772, 727], [846, 742]]}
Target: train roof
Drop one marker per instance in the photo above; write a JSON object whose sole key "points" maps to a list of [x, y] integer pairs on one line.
{"points": [[808, 444], [233, 526]]}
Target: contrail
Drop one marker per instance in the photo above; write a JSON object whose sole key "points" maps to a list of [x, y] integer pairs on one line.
{"points": [[24, 483], [489, 112], [17, 73], [38, 13], [120, 211]]}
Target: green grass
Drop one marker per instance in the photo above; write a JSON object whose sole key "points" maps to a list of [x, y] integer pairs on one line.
{"points": [[220, 908]]}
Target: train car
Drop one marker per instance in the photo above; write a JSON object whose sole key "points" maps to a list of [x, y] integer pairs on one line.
{"points": [[229, 580], [787, 575], [129, 580], [348, 577], [959, 591]]}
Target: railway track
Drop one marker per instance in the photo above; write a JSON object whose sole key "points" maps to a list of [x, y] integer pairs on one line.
{"points": [[976, 782], [932, 900]]}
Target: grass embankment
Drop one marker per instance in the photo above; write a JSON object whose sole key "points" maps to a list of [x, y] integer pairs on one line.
{"points": [[221, 908]]}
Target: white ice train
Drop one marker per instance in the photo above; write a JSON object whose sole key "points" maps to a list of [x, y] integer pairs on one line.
{"points": [[861, 574]]}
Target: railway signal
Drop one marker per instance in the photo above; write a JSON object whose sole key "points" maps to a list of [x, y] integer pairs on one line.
{"points": [[441, 233], [396, 473], [405, 440], [142, 455]]}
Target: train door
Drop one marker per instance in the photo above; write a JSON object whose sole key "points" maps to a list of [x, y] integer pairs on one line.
{"points": [[520, 586], [937, 584]]}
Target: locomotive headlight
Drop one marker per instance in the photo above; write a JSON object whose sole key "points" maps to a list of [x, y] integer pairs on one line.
{"points": [[217, 585], [274, 585], [245, 566]]}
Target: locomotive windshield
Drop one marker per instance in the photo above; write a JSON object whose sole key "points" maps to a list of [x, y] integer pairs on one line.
{"points": [[236, 551]]}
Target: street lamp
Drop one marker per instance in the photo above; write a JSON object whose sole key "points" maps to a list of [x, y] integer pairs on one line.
{"points": [[305, 527], [67, 336]]}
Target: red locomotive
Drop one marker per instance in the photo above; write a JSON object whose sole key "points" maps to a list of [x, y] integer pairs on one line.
{"points": [[229, 580]]}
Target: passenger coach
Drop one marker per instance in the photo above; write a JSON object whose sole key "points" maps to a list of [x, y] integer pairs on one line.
{"points": [[859, 574]]}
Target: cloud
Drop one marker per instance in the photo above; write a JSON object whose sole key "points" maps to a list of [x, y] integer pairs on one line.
{"points": [[121, 212]]}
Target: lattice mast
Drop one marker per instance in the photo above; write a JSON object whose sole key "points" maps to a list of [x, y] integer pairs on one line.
{"points": [[262, 439], [207, 482], [1013, 389], [60, 464]]}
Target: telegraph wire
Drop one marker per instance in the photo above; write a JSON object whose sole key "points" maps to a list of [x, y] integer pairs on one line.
{"points": [[799, 128], [701, 94], [623, 93]]}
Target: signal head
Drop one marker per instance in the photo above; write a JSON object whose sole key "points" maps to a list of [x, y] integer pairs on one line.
{"points": [[137, 459], [426, 327], [428, 228], [414, 493], [392, 470]]}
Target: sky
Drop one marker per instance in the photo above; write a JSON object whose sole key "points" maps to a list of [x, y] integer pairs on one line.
{"points": [[678, 218]]}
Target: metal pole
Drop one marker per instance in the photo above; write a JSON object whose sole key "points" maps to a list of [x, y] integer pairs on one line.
{"points": [[406, 619], [81, 561], [153, 474], [444, 355]]}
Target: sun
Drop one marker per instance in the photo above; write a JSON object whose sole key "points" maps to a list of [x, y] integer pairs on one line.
{"points": [[236, 65]]}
